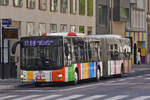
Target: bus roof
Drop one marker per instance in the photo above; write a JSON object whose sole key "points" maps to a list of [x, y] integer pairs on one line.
{"points": [[64, 34], [104, 36]]}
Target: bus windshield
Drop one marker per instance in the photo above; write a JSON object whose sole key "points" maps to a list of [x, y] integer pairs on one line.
{"points": [[41, 54]]}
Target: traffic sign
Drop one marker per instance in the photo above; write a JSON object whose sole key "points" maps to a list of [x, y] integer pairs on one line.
{"points": [[6, 21]]}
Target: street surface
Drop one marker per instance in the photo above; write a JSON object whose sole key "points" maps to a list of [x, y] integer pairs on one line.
{"points": [[133, 86]]}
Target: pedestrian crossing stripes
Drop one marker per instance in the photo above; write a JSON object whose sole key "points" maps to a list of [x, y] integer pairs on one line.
{"points": [[73, 97], [93, 97], [70, 97], [7, 97], [141, 98], [117, 97], [26, 97], [47, 97]]}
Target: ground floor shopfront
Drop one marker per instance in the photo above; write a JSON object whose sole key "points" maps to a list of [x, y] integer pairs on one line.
{"points": [[138, 44]]}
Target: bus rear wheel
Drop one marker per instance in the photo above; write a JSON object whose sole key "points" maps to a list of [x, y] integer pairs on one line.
{"points": [[98, 73], [76, 78]]}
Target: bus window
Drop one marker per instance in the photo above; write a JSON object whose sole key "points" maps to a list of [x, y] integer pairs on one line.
{"points": [[90, 51], [111, 47], [67, 51]]}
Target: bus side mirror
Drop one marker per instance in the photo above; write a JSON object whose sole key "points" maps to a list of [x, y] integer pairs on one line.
{"points": [[14, 47]]}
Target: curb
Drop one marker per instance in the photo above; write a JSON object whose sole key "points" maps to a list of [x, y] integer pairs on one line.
{"points": [[6, 87]]}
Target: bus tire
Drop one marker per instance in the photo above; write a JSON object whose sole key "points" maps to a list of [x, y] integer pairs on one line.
{"points": [[76, 78], [36, 84], [98, 74]]}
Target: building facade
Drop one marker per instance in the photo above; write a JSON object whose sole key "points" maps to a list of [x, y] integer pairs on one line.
{"points": [[111, 16], [34, 17], [148, 29], [136, 29], [126, 18]]}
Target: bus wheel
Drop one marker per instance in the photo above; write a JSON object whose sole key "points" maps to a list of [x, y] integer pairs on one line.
{"points": [[98, 73], [37, 84], [76, 78]]}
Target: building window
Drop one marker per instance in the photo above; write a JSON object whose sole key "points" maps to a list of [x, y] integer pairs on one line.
{"points": [[82, 7], [18, 3], [72, 28], [42, 29], [42, 4], [140, 4], [31, 4], [4, 2], [30, 29], [89, 30], [64, 6], [53, 28], [81, 29], [124, 12], [63, 28], [73, 6], [54, 5], [102, 14], [90, 8]]}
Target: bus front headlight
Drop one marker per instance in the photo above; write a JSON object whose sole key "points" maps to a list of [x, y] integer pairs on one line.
{"points": [[22, 76], [59, 75]]}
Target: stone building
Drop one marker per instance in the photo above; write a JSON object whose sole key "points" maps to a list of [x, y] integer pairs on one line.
{"points": [[136, 29]]}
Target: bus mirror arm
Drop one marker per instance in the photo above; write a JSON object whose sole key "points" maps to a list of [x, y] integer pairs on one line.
{"points": [[14, 47]]}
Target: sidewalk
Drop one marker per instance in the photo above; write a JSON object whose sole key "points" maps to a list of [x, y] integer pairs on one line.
{"points": [[141, 67], [13, 83], [8, 83]]}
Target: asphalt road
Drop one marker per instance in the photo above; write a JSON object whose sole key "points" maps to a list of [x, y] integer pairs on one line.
{"points": [[133, 86]]}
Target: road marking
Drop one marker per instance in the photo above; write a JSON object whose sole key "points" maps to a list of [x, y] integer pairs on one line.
{"points": [[117, 97], [122, 79], [70, 97], [147, 78], [131, 78], [47, 97], [141, 98], [81, 87], [7, 97], [26, 97], [147, 75], [139, 76], [93, 97]]}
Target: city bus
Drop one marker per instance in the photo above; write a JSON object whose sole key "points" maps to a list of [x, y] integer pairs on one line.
{"points": [[70, 57]]}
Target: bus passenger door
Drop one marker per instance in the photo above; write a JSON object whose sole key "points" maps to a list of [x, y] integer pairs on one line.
{"points": [[69, 67]]}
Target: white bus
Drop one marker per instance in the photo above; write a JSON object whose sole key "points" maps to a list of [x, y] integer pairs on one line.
{"points": [[72, 57]]}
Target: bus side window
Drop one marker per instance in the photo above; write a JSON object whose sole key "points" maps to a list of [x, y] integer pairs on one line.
{"points": [[75, 52], [67, 52], [111, 50], [116, 52], [90, 51]]}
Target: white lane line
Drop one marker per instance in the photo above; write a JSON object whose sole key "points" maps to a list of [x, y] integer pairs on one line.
{"points": [[70, 97], [117, 97], [93, 97], [47, 97], [141, 98], [26, 97], [7, 97]]}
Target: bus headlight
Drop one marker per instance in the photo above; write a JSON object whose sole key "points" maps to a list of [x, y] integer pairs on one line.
{"points": [[22, 76], [59, 75]]}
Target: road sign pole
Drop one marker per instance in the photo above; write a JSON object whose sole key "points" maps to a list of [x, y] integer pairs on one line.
{"points": [[2, 49]]}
